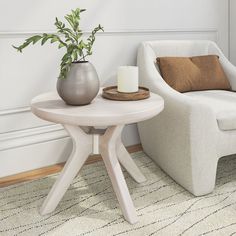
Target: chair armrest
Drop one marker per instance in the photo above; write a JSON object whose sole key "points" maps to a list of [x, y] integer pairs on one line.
{"points": [[184, 118], [181, 106]]}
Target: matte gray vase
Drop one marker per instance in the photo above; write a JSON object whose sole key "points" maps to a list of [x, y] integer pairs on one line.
{"points": [[80, 86]]}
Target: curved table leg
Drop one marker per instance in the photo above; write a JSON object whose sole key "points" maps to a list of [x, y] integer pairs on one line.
{"points": [[128, 163], [108, 144], [82, 144]]}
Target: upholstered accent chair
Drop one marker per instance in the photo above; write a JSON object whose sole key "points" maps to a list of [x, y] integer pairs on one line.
{"points": [[196, 128]]}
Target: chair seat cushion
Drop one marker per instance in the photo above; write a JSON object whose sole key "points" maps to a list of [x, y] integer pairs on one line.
{"points": [[223, 104]]}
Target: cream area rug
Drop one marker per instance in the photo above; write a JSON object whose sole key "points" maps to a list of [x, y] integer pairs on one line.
{"points": [[90, 207]]}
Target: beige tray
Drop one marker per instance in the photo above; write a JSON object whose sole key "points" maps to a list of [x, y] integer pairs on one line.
{"points": [[112, 94]]}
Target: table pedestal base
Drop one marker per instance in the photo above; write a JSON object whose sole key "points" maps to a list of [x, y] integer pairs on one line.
{"points": [[113, 152]]}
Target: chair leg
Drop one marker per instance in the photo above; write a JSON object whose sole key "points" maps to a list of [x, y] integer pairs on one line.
{"points": [[82, 144], [203, 178]]}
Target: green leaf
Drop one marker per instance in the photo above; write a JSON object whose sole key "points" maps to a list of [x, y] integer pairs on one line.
{"points": [[44, 41], [69, 20], [17, 48], [27, 42], [61, 45], [36, 38], [47, 37], [75, 55], [79, 35], [80, 51], [54, 39], [64, 58]]}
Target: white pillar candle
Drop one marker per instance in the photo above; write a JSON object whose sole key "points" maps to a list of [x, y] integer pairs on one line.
{"points": [[127, 79]]}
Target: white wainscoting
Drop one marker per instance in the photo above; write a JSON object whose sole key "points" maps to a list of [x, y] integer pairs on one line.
{"points": [[25, 138], [27, 142]]}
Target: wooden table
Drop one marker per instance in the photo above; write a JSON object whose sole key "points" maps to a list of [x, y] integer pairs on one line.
{"points": [[80, 121]]}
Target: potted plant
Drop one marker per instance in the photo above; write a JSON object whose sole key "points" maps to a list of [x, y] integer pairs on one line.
{"points": [[78, 81]]}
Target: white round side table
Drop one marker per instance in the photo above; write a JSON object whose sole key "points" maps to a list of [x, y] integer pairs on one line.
{"points": [[79, 121]]}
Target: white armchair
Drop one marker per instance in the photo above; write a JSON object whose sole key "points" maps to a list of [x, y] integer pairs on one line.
{"points": [[196, 128]]}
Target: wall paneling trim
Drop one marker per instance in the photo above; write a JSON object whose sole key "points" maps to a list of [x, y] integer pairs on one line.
{"points": [[27, 142]]}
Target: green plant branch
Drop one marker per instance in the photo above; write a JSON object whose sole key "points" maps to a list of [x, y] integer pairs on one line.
{"points": [[76, 48]]}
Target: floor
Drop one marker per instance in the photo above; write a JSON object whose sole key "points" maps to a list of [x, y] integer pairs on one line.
{"points": [[90, 207]]}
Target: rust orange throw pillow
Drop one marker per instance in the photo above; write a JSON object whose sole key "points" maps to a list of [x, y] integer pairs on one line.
{"points": [[186, 74]]}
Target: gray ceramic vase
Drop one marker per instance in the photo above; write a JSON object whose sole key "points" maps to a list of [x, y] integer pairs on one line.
{"points": [[80, 86]]}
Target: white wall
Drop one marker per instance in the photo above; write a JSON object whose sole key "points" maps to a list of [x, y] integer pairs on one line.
{"points": [[232, 38], [27, 142]]}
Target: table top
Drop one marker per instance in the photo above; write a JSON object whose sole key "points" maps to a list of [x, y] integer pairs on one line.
{"points": [[101, 112]]}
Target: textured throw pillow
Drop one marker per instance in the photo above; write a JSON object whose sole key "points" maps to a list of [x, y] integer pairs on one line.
{"points": [[186, 74]]}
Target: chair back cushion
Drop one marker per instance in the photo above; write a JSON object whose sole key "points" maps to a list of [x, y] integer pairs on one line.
{"points": [[196, 73]]}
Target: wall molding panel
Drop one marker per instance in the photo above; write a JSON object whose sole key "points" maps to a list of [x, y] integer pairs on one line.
{"points": [[111, 32], [31, 136], [26, 142], [14, 110]]}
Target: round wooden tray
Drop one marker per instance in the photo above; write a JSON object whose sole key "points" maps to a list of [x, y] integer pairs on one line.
{"points": [[112, 94]]}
